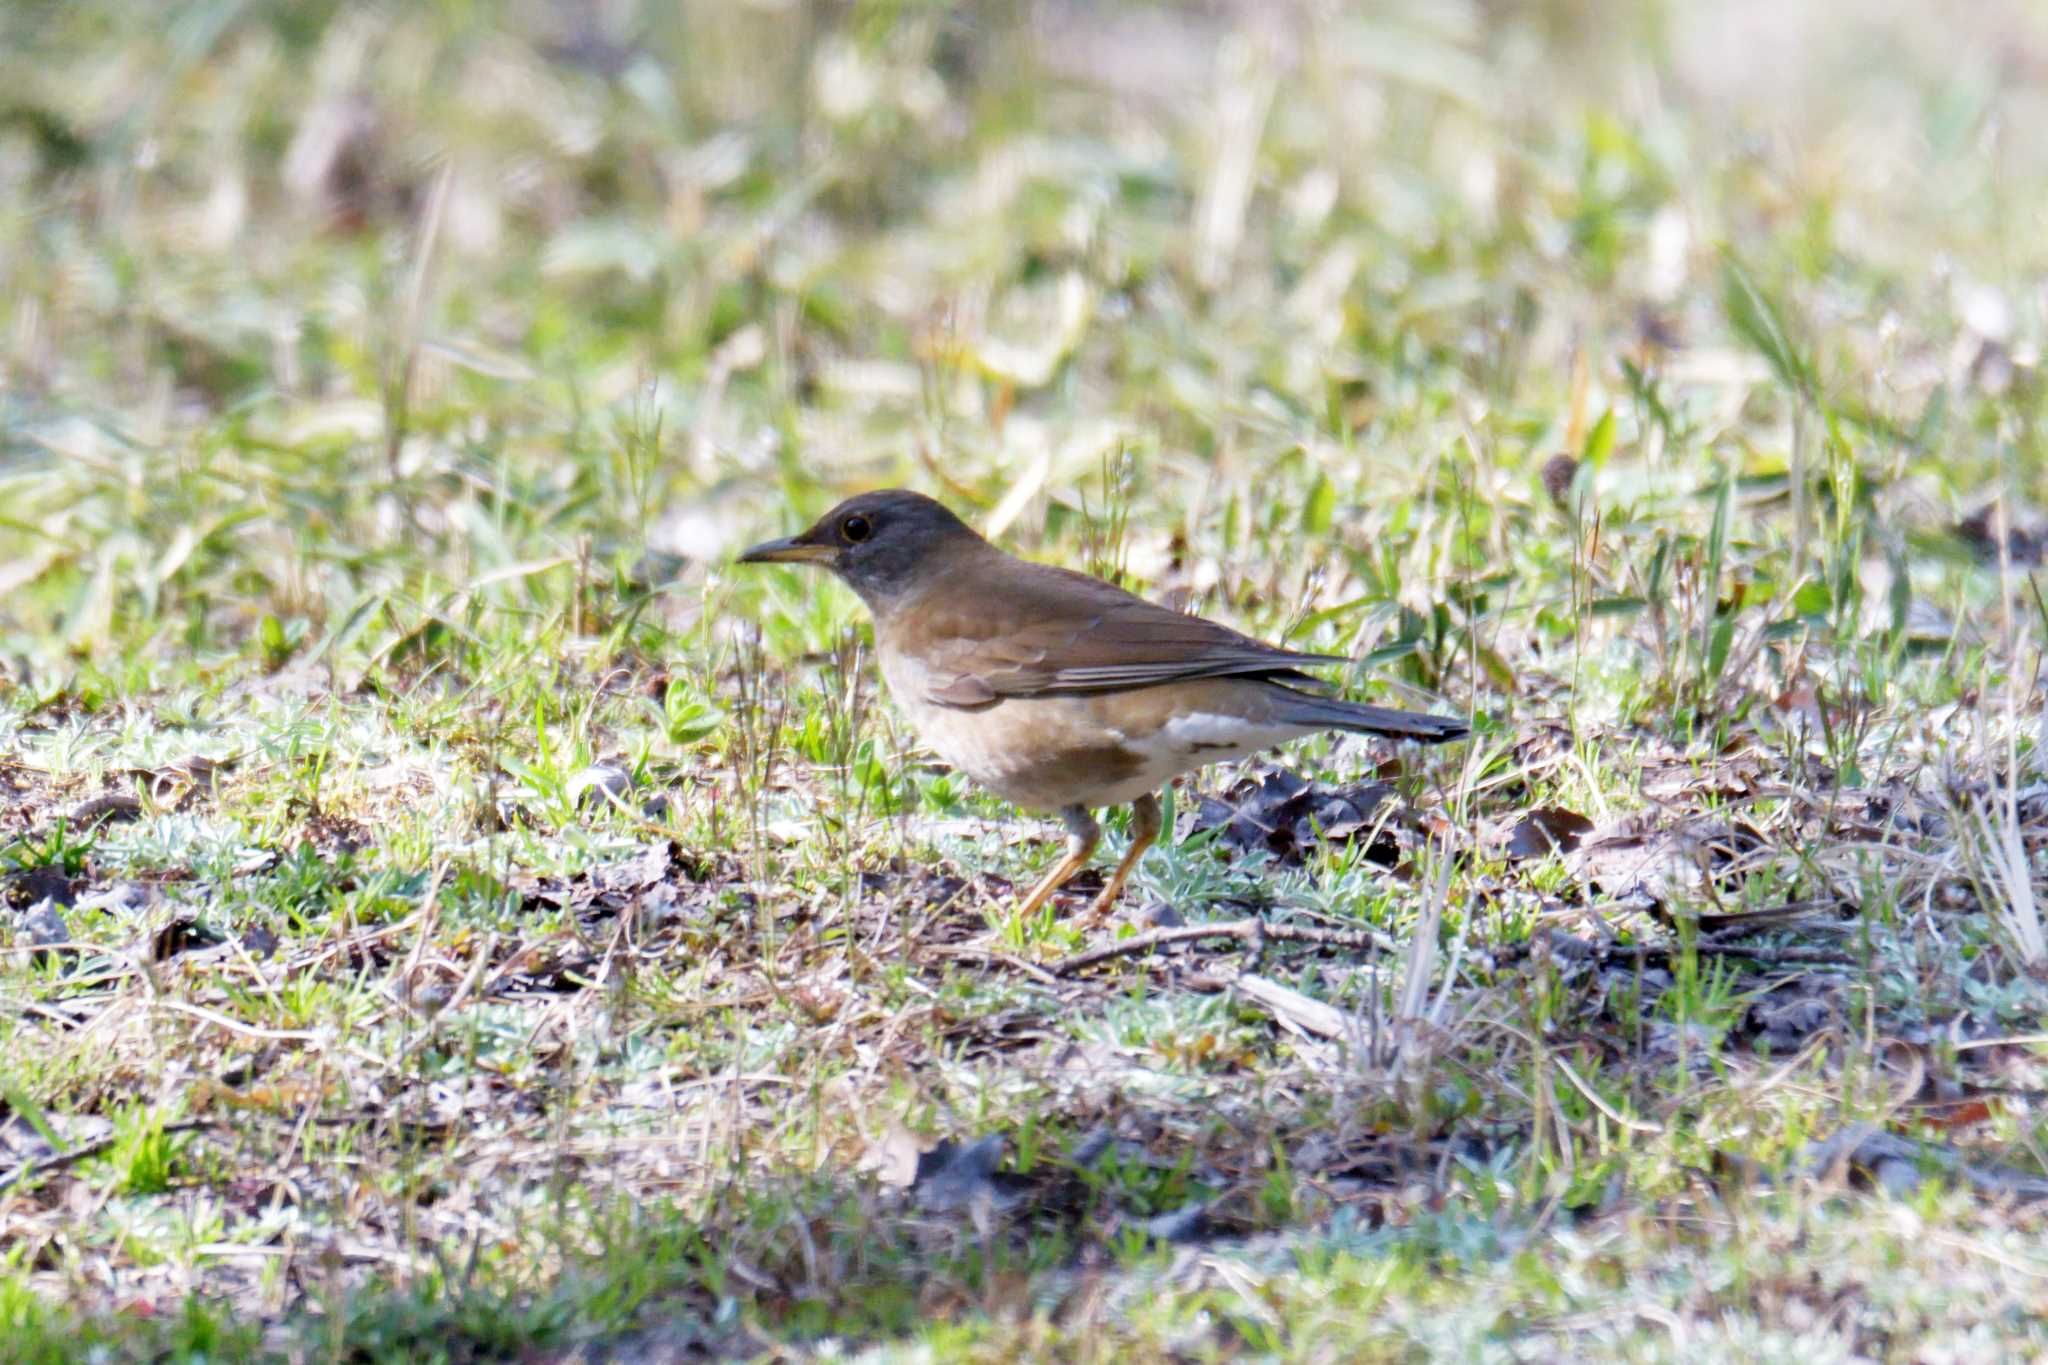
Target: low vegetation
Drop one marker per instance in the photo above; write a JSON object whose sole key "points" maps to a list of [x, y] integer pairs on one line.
{"points": [[448, 912]]}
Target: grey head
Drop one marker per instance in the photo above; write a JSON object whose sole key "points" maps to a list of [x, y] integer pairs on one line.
{"points": [[885, 545]]}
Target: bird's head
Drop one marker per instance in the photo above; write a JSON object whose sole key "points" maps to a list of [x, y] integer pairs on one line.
{"points": [[886, 545]]}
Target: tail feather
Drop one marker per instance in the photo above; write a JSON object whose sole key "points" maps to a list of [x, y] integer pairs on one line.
{"points": [[1337, 714]]}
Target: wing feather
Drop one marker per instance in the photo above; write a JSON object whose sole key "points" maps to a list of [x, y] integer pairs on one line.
{"points": [[1051, 632]]}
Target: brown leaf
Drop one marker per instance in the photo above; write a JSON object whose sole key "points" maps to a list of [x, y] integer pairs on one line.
{"points": [[1959, 1113], [1635, 859], [1800, 699], [1558, 473], [111, 807], [1545, 830], [1654, 864]]}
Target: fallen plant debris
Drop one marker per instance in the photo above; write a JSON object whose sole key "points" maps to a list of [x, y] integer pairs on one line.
{"points": [[1900, 1165], [1253, 931], [1287, 817], [1650, 863], [1548, 830]]}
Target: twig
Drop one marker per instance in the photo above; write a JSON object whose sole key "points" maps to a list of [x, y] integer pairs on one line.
{"points": [[1579, 1084], [1594, 1098], [1750, 921], [1790, 956], [1292, 1007], [2017, 1040], [87, 1150], [1010, 960], [1243, 930], [218, 1020]]}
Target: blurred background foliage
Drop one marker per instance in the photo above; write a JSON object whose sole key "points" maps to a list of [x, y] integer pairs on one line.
{"points": [[323, 321]]}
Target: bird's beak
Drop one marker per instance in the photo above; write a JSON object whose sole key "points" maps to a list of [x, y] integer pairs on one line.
{"points": [[789, 550]]}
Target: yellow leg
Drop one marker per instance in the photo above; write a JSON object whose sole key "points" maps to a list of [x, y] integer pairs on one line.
{"points": [[1145, 824], [1082, 836]]}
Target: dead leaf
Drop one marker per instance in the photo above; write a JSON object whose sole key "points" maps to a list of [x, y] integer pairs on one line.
{"points": [[1900, 1165], [1546, 830], [112, 807], [1183, 1225], [1633, 860], [1558, 473], [956, 1175], [44, 926], [32, 885], [893, 1157], [1791, 1013], [181, 935], [2025, 540], [1287, 816], [599, 783]]}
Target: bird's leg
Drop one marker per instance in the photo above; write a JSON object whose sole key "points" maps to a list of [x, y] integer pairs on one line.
{"points": [[1082, 836], [1145, 824]]}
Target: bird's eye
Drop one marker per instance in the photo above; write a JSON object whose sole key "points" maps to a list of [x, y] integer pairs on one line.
{"points": [[856, 529]]}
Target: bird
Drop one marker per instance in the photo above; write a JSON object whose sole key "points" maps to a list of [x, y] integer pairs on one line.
{"points": [[1058, 691]]}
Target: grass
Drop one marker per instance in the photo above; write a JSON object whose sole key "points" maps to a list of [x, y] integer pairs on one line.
{"points": [[450, 912]]}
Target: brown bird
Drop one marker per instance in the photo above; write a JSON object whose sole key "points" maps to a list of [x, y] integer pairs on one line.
{"points": [[1058, 691]]}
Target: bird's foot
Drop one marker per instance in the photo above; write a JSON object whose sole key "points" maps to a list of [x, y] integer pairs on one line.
{"points": [[1145, 826], [1101, 910]]}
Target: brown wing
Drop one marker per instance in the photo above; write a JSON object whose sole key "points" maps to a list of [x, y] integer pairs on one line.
{"points": [[1051, 632]]}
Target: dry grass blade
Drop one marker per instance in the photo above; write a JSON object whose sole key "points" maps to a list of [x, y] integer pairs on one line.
{"points": [[2006, 872], [1250, 931]]}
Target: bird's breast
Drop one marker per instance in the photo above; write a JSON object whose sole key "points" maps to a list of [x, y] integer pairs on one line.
{"points": [[1038, 752]]}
